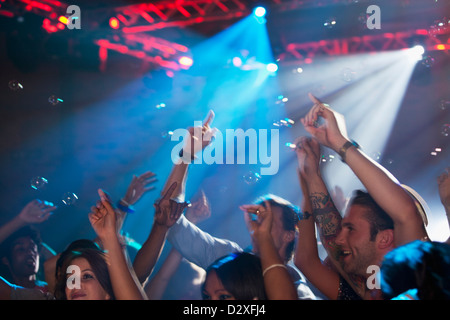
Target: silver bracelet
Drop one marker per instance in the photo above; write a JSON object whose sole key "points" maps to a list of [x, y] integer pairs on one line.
{"points": [[273, 266]]}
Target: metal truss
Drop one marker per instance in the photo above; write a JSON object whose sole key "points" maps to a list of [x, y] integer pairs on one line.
{"points": [[136, 23], [301, 52]]}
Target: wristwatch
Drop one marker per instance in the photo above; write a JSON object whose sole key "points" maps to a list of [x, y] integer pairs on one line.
{"points": [[343, 150]]}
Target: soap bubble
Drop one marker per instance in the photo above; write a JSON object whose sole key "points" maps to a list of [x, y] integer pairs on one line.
{"points": [[69, 198], [15, 85], [54, 100], [252, 177], [347, 74], [376, 155], [445, 131], [38, 183], [166, 134]]}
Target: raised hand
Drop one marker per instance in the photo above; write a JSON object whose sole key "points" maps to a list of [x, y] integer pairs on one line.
{"points": [[332, 132], [167, 210], [199, 210], [36, 211], [308, 155], [258, 219], [103, 217], [204, 134], [139, 186]]}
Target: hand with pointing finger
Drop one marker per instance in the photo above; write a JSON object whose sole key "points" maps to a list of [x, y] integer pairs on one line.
{"points": [[103, 217], [199, 137], [332, 133]]}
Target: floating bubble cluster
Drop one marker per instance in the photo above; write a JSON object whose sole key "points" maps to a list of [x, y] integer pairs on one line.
{"points": [[286, 122], [330, 23], [439, 27], [428, 61]]}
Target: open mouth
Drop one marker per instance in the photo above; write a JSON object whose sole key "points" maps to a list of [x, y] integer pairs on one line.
{"points": [[345, 254]]}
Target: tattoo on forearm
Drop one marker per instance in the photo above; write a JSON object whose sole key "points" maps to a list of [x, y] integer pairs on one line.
{"points": [[319, 200], [326, 215]]}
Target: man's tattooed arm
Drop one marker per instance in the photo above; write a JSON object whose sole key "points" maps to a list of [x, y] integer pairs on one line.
{"points": [[328, 220]]}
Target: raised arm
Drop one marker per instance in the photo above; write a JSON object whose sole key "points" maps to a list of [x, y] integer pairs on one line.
{"points": [[155, 288], [277, 281], [34, 212], [380, 184], [123, 279], [193, 243], [190, 147], [306, 255], [167, 212], [137, 188]]}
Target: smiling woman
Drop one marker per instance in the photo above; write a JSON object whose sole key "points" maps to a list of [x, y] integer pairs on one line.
{"points": [[92, 282]]}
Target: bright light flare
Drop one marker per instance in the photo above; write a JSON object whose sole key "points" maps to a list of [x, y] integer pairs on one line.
{"points": [[416, 52], [271, 67], [259, 12], [186, 61]]}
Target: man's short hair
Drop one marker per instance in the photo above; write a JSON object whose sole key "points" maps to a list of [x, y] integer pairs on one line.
{"points": [[27, 231], [378, 219]]}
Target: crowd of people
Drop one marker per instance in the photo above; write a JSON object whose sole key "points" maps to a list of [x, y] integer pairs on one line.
{"points": [[377, 246]]}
